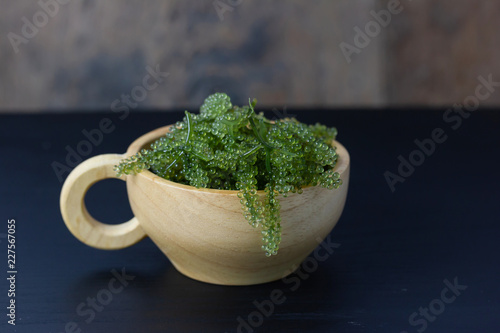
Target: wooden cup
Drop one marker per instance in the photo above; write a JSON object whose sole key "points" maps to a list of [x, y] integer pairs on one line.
{"points": [[203, 231]]}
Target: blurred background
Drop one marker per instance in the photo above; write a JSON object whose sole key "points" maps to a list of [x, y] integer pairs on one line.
{"points": [[88, 55]]}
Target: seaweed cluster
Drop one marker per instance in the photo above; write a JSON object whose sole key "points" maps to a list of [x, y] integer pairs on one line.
{"points": [[230, 147]]}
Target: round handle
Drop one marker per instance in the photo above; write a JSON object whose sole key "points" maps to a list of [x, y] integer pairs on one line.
{"points": [[74, 212]]}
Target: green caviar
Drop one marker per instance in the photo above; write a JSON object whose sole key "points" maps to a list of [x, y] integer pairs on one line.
{"points": [[229, 147]]}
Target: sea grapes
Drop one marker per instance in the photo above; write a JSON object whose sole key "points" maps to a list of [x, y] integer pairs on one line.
{"points": [[229, 147]]}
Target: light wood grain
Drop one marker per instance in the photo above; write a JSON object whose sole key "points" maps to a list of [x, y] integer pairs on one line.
{"points": [[203, 231], [78, 220]]}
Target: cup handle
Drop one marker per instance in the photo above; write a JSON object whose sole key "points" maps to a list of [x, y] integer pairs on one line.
{"points": [[78, 220]]}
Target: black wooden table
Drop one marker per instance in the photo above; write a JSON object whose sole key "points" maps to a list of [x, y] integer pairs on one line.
{"points": [[416, 249]]}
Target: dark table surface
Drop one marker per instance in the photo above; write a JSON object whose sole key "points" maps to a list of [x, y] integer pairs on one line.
{"points": [[424, 257]]}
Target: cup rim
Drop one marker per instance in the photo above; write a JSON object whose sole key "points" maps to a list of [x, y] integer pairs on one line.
{"points": [[342, 165]]}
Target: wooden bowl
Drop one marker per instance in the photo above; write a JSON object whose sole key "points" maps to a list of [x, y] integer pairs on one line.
{"points": [[203, 231]]}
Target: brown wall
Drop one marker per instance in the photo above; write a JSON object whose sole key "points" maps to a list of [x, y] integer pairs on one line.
{"points": [[90, 53], [437, 49]]}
